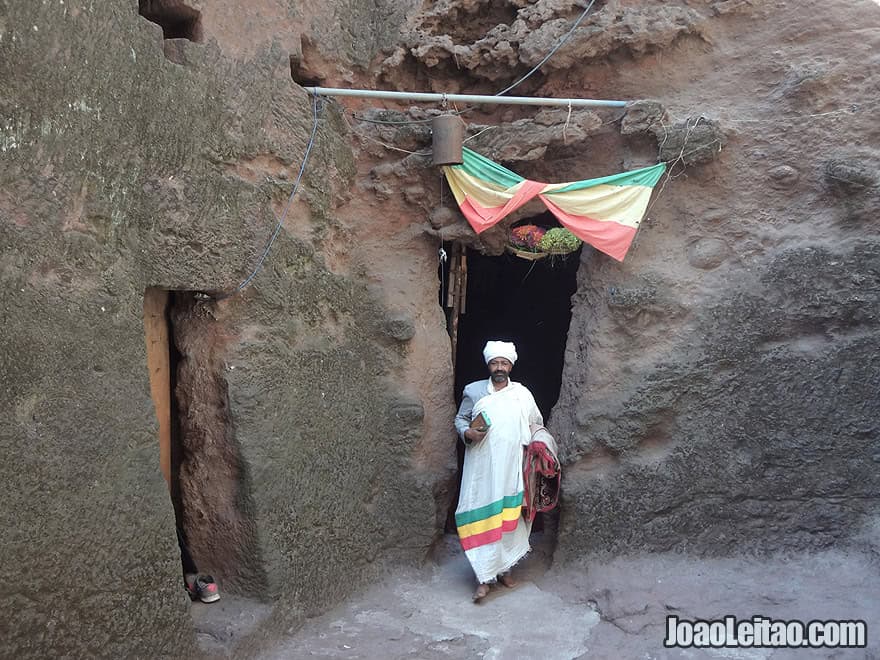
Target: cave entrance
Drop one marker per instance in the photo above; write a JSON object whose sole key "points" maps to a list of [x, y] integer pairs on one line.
{"points": [[511, 299], [199, 455]]}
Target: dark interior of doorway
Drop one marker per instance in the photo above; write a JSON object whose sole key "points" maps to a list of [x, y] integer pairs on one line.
{"points": [[526, 302]]}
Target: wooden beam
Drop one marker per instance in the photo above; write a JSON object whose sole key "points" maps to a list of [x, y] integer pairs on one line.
{"points": [[159, 367], [456, 302], [464, 277]]}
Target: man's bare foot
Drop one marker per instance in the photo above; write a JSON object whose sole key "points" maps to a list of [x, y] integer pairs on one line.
{"points": [[507, 581], [481, 592]]}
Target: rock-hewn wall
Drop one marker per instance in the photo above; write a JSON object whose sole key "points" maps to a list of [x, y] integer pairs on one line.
{"points": [[720, 386], [120, 170], [720, 393]]}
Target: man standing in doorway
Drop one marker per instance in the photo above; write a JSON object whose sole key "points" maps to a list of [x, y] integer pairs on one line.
{"points": [[490, 525]]}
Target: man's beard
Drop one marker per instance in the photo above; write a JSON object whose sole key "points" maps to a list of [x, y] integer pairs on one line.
{"points": [[499, 377]]}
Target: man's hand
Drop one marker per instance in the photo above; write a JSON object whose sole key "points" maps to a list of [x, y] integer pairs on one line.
{"points": [[473, 435]]}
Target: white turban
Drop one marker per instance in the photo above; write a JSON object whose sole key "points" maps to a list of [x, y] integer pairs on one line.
{"points": [[502, 349]]}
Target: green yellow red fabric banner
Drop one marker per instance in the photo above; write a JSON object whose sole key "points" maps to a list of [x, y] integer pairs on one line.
{"points": [[603, 212]]}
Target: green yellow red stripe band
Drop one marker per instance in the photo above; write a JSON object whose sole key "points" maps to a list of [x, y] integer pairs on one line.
{"points": [[605, 212], [480, 526], [646, 176], [489, 510], [489, 536]]}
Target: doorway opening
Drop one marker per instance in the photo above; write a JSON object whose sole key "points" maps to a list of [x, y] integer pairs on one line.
{"points": [[511, 299], [200, 459], [526, 302]]}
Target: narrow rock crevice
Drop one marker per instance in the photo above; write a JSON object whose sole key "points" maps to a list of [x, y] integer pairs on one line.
{"points": [[215, 507]]}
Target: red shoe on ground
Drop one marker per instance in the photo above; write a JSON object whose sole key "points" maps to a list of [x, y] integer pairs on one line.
{"points": [[203, 588]]}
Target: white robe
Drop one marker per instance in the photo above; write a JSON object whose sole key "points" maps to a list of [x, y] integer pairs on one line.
{"points": [[490, 525]]}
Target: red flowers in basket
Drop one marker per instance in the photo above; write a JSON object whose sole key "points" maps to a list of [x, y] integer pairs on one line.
{"points": [[527, 236]]}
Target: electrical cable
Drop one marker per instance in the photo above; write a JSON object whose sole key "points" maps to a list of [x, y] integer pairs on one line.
{"points": [[552, 51], [302, 169]]}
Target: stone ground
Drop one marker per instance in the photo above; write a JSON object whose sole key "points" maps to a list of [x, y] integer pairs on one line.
{"points": [[615, 609]]}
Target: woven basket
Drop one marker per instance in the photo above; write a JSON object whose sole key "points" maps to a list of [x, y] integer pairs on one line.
{"points": [[524, 254], [534, 256]]}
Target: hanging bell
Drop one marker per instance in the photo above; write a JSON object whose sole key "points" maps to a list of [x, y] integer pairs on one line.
{"points": [[448, 134]]}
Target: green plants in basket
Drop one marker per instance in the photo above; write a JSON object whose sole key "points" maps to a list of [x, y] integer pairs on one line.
{"points": [[559, 241]]}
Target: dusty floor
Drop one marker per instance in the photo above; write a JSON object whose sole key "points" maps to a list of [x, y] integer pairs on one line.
{"points": [[611, 610]]}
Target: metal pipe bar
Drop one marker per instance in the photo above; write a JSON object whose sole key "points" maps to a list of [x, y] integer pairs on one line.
{"points": [[463, 98]]}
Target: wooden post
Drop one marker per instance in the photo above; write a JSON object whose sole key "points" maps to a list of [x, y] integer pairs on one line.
{"points": [[453, 274], [456, 299], [464, 277], [159, 367]]}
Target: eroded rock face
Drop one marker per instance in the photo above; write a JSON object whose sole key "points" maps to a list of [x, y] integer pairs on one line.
{"points": [[488, 39], [715, 395], [529, 139], [748, 432]]}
